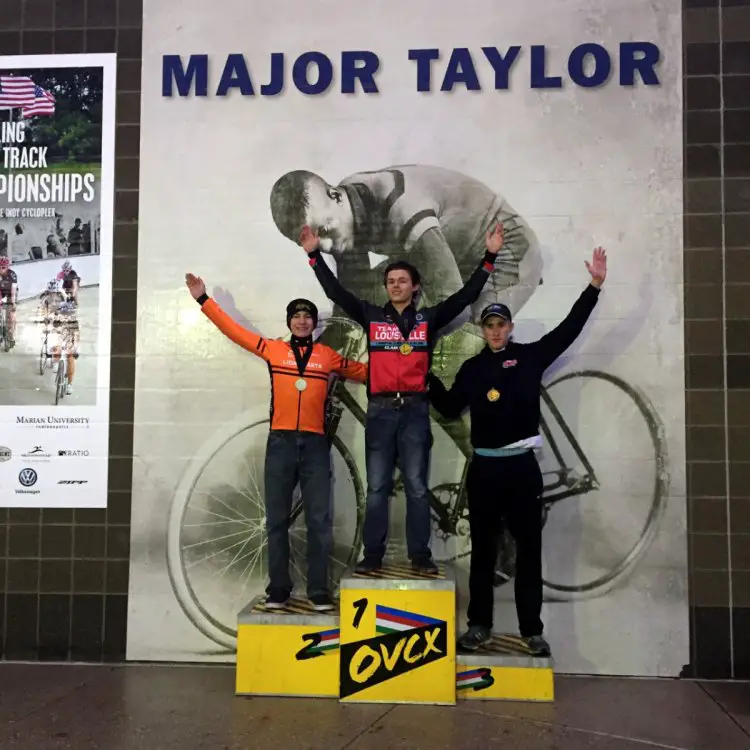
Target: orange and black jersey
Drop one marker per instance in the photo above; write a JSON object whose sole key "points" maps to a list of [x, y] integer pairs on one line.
{"points": [[291, 409]]}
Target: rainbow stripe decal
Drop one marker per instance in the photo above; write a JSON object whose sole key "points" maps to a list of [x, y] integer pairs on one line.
{"points": [[388, 620], [474, 678], [329, 641]]}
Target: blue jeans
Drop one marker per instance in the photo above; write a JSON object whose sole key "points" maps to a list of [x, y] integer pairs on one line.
{"points": [[397, 435], [302, 457]]}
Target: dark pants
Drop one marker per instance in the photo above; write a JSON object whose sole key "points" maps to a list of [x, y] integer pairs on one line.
{"points": [[397, 434], [302, 457], [504, 491]]}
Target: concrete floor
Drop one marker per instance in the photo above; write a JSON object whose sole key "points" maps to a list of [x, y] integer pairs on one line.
{"points": [[193, 708]]}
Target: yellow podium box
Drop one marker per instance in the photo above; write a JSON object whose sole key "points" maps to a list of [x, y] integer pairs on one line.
{"points": [[504, 670], [398, 639], [288, 652]]}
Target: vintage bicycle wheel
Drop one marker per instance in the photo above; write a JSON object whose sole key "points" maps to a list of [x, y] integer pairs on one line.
{"points": [[216, 538], [43, 355], [4, 329], [60, 381], [605, 439]]}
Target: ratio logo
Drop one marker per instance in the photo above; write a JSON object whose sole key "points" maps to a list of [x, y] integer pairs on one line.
{"points": [[27, 477], [72, 453]]}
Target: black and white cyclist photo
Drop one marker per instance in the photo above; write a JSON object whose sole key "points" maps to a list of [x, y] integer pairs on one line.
{"points": [[50, 235]]}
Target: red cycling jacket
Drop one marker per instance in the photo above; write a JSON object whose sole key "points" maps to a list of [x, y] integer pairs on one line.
{"points": [[400, 346]]}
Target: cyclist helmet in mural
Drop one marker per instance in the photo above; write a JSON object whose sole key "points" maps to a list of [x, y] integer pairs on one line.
{"points": [[66, 266], [52, 285]]}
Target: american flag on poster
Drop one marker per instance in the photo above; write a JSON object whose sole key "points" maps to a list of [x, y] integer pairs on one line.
{"points": [[16, 91], [43, 103]]}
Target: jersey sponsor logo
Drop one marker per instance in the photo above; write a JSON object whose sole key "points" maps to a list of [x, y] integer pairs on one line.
{"points": [[311, 365], [510, 363], [385, 332]]}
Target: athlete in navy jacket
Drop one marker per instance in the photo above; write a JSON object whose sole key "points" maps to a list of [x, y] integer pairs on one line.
{"points": [[400, 339]]}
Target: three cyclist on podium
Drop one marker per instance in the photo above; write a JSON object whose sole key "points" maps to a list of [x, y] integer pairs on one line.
{"points": [[500, 387]]}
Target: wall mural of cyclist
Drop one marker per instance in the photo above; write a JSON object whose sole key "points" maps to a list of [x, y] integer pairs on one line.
{"points": [[434, 175]]}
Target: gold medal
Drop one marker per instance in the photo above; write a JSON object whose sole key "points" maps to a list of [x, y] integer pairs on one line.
{"points": [[300, 384], [406, 349], [493, 395]]}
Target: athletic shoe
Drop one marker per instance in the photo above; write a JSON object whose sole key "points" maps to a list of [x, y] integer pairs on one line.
{"points": [[368, 565], [538, 646], [474, 638], [424, 565], [322, 603], [277, 599]]}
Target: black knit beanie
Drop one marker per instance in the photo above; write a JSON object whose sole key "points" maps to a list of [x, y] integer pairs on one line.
{"points": [[301, 305]]}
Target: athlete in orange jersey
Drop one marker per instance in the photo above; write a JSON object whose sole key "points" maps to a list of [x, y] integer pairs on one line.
{"points": [[297, 448]]}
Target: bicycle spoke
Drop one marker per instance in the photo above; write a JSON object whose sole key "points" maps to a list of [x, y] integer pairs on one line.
{"points": [[244, 494], [213, 541], [235, 559], [195, 563], [222, 502], [251, 567], [209, 523]]}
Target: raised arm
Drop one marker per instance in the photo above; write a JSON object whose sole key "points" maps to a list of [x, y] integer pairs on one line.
{"points": [[454, 305], [248, 340], [553, 344], [346, 368], [450, 403], [349, 303]]}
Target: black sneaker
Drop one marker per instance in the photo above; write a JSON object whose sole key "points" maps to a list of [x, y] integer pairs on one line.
{"points": [[277, 599], [322, 603], [368, 565], [474, 638], [538, 646], [424, 565]]}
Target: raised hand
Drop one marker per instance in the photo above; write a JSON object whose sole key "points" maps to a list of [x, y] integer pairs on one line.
{"points": [[495, 238], [598, 267], [195, 285], [309, 239]]}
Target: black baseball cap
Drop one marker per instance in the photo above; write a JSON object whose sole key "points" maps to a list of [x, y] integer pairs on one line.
{"points": [[498, 309]]}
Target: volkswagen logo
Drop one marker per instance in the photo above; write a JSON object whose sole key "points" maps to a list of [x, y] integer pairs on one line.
{"points": [[27, 477]]}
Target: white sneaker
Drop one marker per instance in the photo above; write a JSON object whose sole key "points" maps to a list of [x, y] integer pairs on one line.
{"points": [[55, 366], [70, 390]]}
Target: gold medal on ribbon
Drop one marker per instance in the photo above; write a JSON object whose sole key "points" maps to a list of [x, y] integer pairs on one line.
{"points": [[406, 349], [300, 384], [493, 395]]}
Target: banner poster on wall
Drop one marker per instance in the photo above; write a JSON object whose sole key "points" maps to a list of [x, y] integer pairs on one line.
{"points": [[57, 121], [405, 134]]}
